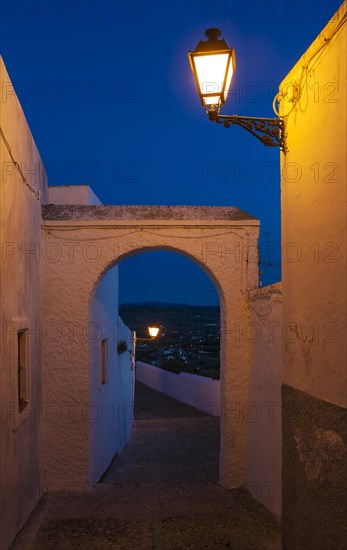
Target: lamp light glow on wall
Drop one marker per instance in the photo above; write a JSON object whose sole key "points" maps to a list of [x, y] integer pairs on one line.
{"points": [[213, 64]]}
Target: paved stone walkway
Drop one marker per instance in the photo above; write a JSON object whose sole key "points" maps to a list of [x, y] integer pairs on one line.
{"points": [[161, 493]]}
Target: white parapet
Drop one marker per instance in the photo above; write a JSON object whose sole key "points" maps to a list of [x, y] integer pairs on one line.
{"points": [[198, 391]]}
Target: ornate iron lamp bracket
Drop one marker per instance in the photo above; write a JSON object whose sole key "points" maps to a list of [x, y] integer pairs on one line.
{"points": [[270, 131]]}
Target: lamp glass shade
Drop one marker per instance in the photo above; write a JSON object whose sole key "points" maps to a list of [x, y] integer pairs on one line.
{"points": [[153, 330], [229, 76], [210, 72], [213, 65]]}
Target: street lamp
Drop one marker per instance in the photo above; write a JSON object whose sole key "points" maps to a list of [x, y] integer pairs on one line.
{"points": [[213, 64], [153, 331]]}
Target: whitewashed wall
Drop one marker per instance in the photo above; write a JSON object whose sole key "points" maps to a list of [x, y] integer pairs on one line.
{"points": [[313, 197], [263, 410], [111, 403], [21, 471], [313, 194], [198, 391], [110, 406]]}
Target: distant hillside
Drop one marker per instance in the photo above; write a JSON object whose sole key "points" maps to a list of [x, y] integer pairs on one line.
{"points": [[175, 319]]}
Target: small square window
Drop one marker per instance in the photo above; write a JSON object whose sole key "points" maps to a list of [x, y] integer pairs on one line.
{"points": [[104, 360], [23, 369]]}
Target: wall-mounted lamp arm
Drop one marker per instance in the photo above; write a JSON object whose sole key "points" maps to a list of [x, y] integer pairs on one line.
{"points": [[270, 131]]}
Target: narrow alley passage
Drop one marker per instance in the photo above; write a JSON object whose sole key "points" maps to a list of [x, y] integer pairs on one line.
{"points": [[161, 493], [171, 443]]}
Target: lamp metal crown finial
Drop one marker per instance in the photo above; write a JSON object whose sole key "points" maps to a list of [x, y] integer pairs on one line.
{"points": [[213, 34]]}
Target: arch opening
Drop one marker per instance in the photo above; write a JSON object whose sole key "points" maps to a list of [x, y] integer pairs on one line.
{"points": [[196, 354], [135, 250]]}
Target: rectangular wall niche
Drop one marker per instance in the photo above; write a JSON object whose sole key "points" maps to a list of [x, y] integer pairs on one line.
{"points": [[23, 368], [104, 360]]}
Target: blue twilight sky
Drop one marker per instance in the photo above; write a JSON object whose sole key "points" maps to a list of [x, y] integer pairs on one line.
{"points": [[109, 96]]}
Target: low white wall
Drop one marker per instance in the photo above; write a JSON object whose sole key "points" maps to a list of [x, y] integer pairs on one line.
{"points": [[198, 391], [263, 410]]}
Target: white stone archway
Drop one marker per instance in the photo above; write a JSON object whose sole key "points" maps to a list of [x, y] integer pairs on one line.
{"points": [[80, 243]]}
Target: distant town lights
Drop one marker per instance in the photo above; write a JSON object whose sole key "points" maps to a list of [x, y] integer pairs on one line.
{"points": [[213, 65]]}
